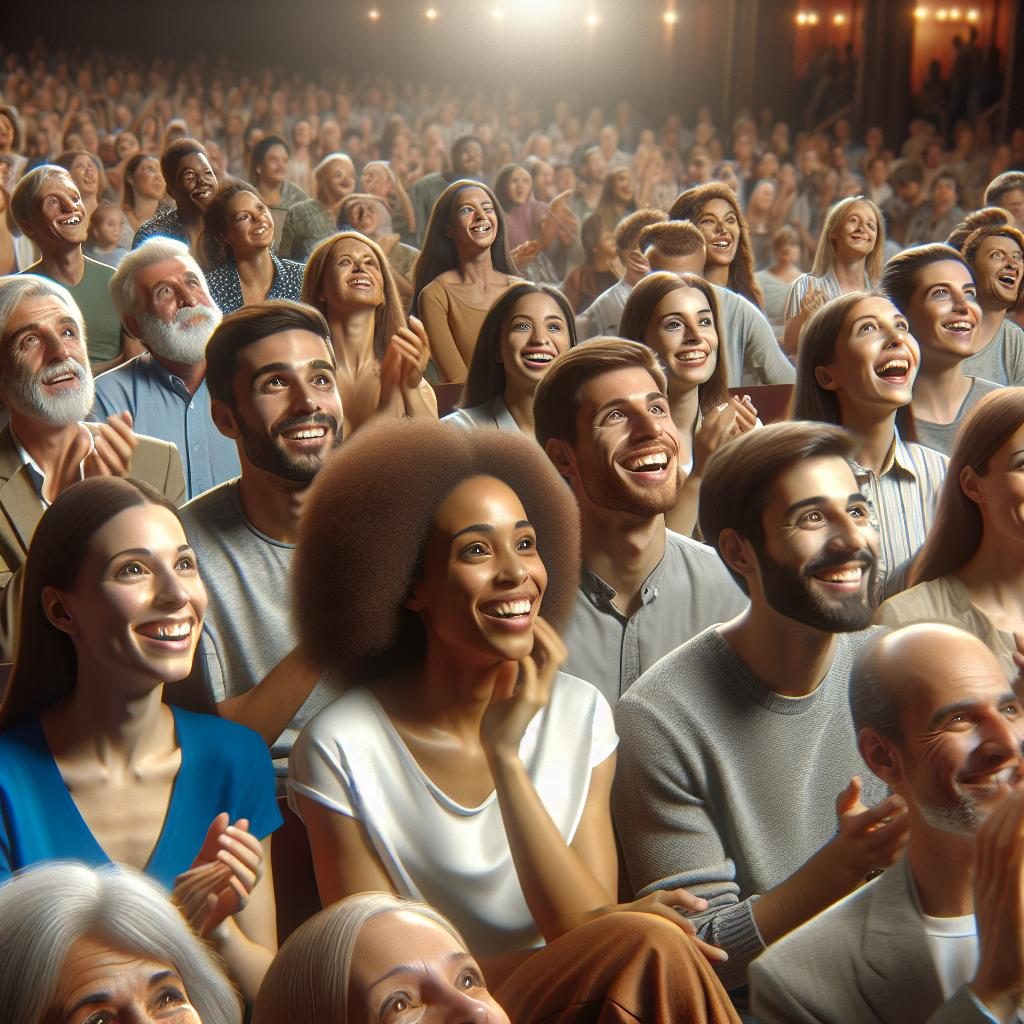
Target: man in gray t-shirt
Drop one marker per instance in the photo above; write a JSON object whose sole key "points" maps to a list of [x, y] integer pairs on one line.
{"points": [[270, 371], [600, 411]]}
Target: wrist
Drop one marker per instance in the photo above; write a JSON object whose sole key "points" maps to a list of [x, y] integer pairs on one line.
{"points": [[1000, 1002]]}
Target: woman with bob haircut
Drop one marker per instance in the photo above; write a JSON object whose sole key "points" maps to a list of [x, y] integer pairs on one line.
{"points": [[934, 287], [849, 257], [677, 317], [621, 965], [463, 267], [523, 333], [380, 357], [459, 766], [970, 571], [856, 368], [61, 919], [242, 267], [93, 765], [715, 209]]}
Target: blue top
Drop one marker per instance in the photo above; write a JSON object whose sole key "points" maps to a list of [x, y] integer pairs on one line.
{"points": [[162, 407], [166, 223], [224, 767], [226, 288]]}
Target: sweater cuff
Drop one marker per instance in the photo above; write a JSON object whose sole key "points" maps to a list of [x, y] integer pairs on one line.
{"points": [[734, 930]]}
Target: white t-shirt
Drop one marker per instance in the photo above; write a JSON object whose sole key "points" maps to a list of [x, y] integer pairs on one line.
{"points": [[350, 759], [953, 944]]}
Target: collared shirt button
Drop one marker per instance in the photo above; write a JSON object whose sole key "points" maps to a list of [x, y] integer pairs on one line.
{"points": [[195, 448]]}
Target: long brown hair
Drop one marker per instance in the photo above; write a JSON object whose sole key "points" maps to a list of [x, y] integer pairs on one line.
{"points": [[640, 307], [690, 204], [46, 665], [957, 530]]}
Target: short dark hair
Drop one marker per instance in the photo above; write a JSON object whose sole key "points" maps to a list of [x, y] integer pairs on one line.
{"points": [[627, 233], [986, 217], [1008, 181], [673, 238], [907, 172], [899, 275], [248, 325], [739, 476], [557, 398], [354, 571]]}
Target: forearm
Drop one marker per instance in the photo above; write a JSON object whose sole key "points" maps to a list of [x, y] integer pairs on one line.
{"points": [[246, 961], [270, 705], [791, 338], [557, 885], [420, 401]]}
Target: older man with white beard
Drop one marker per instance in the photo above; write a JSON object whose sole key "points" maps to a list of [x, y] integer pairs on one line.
{"points": [[47, 386], [162, 298]]}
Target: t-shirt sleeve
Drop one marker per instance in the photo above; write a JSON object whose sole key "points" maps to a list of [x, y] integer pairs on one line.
{"points": [[605, 739], [763, 360], [257, 798], [797, 291], [316, 770]]}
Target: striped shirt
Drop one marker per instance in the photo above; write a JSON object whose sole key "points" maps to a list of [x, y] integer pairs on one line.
{"points": [[902, 498]]}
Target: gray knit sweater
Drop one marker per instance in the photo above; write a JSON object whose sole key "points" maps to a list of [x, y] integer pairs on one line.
{"points": [[725, 788]]}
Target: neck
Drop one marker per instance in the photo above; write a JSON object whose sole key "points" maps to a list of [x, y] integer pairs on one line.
{"points": [[144, 208], [191, 374], [66, 266], [684, 404], [190, 216], [600, 262], [271, 194], [519, 401], [273, 505], [994, 575], [717, 273], [333, 208], [940, 390], [992, 318], [623, 549], [850, 273], [352, 335], [789, 658], [940, 865], [476, 267], [875, 430]]}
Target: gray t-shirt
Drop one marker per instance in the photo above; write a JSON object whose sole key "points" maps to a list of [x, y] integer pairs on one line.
{"points": [[689, 590], [940, 436], [752, 351], [726, 788], [1002, 359], [248, 627]]}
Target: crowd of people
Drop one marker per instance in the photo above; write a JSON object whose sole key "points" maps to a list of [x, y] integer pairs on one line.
{"points": [[591, 549]]}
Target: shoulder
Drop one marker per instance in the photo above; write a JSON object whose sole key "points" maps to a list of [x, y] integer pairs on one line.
{"points": [[693, 552], [94, 270], [700, 658], [234, 741], [353, 720], [931, 598], [154, 454], [211, 507], [123, 376]]}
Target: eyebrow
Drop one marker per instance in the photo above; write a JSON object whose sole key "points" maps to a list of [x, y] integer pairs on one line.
{"points": [[1009, 697], [69, 319], [486, 528], [408, 968], [95, 998], [874, 316], [316, 364], [820, 499]]}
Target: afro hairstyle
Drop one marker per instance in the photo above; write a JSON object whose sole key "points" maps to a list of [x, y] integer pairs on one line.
{"points": [[366, 523]]}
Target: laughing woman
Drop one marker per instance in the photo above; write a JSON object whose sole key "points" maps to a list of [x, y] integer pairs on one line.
{"points": [[463, 267], [848, 259], [93, 765], [857, 366], [525, 330], [934, 288], [238, 237]]}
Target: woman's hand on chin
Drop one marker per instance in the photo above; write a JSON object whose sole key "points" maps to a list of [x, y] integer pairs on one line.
{"points": [[521, 690]]}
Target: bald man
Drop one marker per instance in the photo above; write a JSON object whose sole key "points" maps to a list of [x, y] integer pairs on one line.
{"points": [[934, 938]]}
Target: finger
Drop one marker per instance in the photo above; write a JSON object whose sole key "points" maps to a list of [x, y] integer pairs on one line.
{"points": [[421, 332], [121, 425], [711, 953], [548, 645], [849, 796], [872, 817], [505, 682], [115, 446], [245, 873], [208, 850]]}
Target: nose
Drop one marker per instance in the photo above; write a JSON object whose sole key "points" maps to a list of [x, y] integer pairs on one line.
{"points": [[1002, 738], [460, 1007], [171, 590], [511, 569]]}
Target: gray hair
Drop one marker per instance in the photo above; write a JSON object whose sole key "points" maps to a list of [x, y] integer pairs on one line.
{"points": [[47, 908], [873, 702], [123, 292], [328, 160], [309, 978], [15, 288], [28, 188]]}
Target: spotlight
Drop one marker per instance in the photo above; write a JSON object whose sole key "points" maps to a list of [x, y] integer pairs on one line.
{"points": [[592, 20], [955, 14], [838, 19], [801, 18], [973, 15], [497, 14], [373, 14], [670, 17], [921, 13], [431, 14], [941, 14], [812, 18]]}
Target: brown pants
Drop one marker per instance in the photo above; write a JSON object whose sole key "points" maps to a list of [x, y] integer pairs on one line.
{"points": [[624, 967]]}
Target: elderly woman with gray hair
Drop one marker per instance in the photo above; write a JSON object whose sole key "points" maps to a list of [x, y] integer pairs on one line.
{"points": [[82, 944]]}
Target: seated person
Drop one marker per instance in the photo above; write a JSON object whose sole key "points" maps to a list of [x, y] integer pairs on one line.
{"points": [[604, 420], [312, 220], [754, 355], [735, 745], [932, 938], [381, 358], [524, 332], [373, 954], [47, 386], [370, 216], [599, 270], [971, 567], [601, 318], [93, 765], [161, 296], [857, 366], [83, 941], [934, 289]]}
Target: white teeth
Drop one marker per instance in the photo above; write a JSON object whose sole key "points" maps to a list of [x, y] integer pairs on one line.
{"points": [[306, 433], [72, 221], [851, 575], [173, 631], [899, 365], [510, 609], [658, 459], [721, 245], [537, 357], [692, 357], [959, 325]]}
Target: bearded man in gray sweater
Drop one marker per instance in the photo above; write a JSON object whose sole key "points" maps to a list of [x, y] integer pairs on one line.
{"points": [[738, 775]]}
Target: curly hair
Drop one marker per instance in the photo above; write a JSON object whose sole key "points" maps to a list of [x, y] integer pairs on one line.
{"points": [[486, 376], [389, 317], [689, 206], [366, 522], [439, 254]]}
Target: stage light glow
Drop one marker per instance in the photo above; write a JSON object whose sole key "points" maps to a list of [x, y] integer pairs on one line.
{"points": [[431, 14], [497, 13], [812, 18], [801, 18], [954, 14], [941, 14], [921, 13], [973, 15], [838, 19], [373, 14], [592, 20], [670, 17]]}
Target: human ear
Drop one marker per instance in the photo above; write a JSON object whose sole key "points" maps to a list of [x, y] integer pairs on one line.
{"points": [[823, 375], [223, 417], [56, 612], [563, 457], [969, 485], [737, 553], [880, 755]]}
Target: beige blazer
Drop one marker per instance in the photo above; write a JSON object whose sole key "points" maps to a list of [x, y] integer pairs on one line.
{"points": [[156, 463]]}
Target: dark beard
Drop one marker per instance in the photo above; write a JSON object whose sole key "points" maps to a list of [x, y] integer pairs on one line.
{"points": [[265, 454]]}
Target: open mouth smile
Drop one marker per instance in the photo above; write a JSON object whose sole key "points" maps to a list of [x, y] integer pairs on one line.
{"points": [[895, 371], [651, 462]]}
